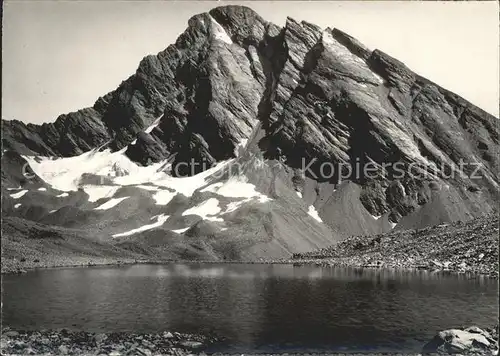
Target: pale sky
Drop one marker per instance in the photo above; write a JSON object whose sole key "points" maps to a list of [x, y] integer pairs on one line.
{"points": [[60, 56]]}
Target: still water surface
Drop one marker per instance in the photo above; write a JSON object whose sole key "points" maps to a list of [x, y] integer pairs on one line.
{"points": [[257, 308]]}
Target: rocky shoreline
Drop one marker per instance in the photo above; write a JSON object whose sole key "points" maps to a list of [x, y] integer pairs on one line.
{"points": [[17, 266], [399, 264], [465, 341], [66, 342], [364, 262]]}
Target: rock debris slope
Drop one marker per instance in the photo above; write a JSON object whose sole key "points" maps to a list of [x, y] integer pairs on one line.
{"points": [[470, 246], [151, 166]]}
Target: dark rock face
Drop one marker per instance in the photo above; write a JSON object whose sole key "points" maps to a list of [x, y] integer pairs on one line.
{"points": [[320, 96]]}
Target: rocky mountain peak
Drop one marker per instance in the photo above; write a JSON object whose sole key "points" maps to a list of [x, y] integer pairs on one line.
{"points": [[243, 25], [313, 102]]}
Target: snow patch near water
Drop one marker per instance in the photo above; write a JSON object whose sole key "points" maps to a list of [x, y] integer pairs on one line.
{"points": [[160, 220], [42, 189], [62, 195]]}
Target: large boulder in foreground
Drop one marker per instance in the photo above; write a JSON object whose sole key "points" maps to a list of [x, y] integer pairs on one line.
{"points": [[470, 341]]}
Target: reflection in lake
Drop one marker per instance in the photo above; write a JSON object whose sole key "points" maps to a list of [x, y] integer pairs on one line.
{"points": [[257, 308]]}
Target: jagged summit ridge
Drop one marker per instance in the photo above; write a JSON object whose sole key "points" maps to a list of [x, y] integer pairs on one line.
{"points": [[120, 115]]}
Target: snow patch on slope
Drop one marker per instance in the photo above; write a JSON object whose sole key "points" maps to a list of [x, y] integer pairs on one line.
{"points": [[153, 125], [19, 194], [205, 210], [181, 231], [314, 213], [240, 148], [233, 206], [110, 203], [97, 192], [159, 222], [15, 188], [219, 32], [163, 197], [236, 187], [147, 187]]}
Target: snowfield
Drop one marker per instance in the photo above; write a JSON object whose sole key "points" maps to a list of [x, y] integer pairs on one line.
{"points": [[65, 174]]}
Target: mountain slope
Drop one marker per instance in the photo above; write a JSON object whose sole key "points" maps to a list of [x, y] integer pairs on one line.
{"points": [[241, 141]]}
